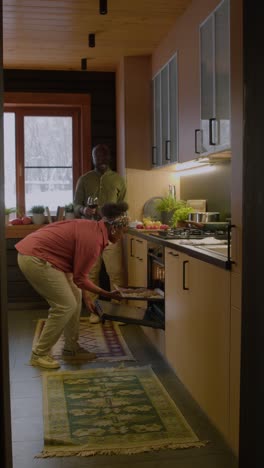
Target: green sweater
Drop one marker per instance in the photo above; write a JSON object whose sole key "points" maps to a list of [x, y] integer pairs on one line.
{"points": [[109, 188]]}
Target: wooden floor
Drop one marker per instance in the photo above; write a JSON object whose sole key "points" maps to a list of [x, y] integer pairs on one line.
{"points": [[26, 407]]}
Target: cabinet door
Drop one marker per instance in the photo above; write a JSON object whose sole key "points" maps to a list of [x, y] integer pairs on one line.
{"points": [[165, 115], [207, 83], [157, 142], [131, 265], [215, 77], [173, 111], [197, 330], [176, 308], [140, 263], [222, 76]]}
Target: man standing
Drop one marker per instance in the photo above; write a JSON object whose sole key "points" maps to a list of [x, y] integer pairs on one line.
{"points": [[107, 186]]}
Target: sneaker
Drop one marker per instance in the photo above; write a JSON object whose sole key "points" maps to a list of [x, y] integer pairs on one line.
{"points": [[94, 318], [44, 361], [79, 352]]}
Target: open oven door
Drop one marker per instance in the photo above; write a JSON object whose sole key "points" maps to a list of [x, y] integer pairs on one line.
{"points": [[152, 316]]}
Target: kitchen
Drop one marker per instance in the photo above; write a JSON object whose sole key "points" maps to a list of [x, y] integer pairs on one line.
{"points": [[142, 177]]}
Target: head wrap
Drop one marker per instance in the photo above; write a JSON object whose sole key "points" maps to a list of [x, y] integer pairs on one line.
{"points": [[119, 221]]}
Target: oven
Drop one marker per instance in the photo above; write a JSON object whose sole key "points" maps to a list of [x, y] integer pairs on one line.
{"points": [[156, 280], [156, 267], [152, 315]]}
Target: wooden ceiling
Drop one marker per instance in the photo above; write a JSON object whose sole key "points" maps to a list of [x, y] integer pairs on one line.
{"points": [[53, 34]]}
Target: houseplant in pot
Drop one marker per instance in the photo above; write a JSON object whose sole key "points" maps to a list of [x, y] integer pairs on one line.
{"points": [[8, 211], [38, 216], [167, 207], [69, 211], [180, 215]]}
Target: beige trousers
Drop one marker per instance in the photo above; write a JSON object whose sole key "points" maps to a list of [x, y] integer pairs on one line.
{"points": [[64, 298], [114, 264]]}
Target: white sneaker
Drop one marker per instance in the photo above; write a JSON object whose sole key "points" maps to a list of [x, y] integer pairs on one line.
{"points": [[80, 352], [44, 361], [94, 318]]}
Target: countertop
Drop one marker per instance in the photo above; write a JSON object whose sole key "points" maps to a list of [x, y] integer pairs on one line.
{"points": [[198, 252]]}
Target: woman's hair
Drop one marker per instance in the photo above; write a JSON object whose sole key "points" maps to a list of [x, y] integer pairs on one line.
{"points": [[115, 213]]}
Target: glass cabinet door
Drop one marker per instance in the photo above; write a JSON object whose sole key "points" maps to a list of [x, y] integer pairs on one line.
{"points": [[157, 144], [215, 76], [207, 82], [173, 110], [222, 75], [165, 115]]}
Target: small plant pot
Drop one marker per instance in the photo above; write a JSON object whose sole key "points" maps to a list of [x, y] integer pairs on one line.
{"points": [[7, 219], [166, 217], [38, 218]]}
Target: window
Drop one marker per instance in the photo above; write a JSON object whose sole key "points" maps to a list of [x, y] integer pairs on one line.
{"points": [[45, 150]]}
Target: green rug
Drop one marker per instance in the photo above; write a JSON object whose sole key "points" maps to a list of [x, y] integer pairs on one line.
{"points": [[110, 411]]}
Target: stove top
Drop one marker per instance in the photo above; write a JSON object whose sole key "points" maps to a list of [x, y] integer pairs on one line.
{"points": [[190, 233]]}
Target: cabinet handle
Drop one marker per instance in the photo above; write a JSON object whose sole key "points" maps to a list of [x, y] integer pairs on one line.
{"points": [[173, 254], [131, 248], [167, 148], [211, 142], [195, 141], [183, 275], [154, 149]]}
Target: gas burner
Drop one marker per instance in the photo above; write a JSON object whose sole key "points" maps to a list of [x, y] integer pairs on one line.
{"points": [[190, 233]]}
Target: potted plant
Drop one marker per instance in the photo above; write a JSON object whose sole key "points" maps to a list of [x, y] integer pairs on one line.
{"points": [[180, 215], [38, 216], [69, 211], [167, 206], [8, 211]]}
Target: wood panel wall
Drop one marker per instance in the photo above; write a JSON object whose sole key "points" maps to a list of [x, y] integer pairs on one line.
{"points": [[100, 86]]}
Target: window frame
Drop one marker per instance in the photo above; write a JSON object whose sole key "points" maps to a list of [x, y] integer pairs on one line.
{"points": [[78, 106]]}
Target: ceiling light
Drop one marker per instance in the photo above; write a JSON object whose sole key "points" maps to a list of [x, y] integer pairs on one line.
{"points": [[91, 40], [103, 7], [84, 63]]}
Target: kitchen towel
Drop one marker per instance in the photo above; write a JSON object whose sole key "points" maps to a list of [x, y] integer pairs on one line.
{"points": [[205, 241]]}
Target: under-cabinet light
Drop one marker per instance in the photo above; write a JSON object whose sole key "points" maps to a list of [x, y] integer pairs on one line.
{"points": [[196, 170]]}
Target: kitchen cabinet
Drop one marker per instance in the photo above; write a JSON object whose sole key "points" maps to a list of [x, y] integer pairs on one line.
{"points": [[137, 261], [19, 290], [165, 115], [215, 82], [197, 331]]}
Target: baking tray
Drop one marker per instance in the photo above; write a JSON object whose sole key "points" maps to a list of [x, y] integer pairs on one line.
{"points": [[145, 294]]}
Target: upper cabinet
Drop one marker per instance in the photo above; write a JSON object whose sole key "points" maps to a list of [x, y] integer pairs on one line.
{"points": [[214, 133], [165, 115]]}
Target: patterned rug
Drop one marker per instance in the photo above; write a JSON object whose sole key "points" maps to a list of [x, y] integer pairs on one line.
{"points": [[106, 341], [110, 411]]}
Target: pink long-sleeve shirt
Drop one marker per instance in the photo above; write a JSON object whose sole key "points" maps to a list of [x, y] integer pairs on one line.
{"points": [[71, 246]]}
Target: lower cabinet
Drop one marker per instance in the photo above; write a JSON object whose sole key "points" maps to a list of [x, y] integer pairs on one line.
{"points": [[197, 332], [137, 261], [18, 288]]}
